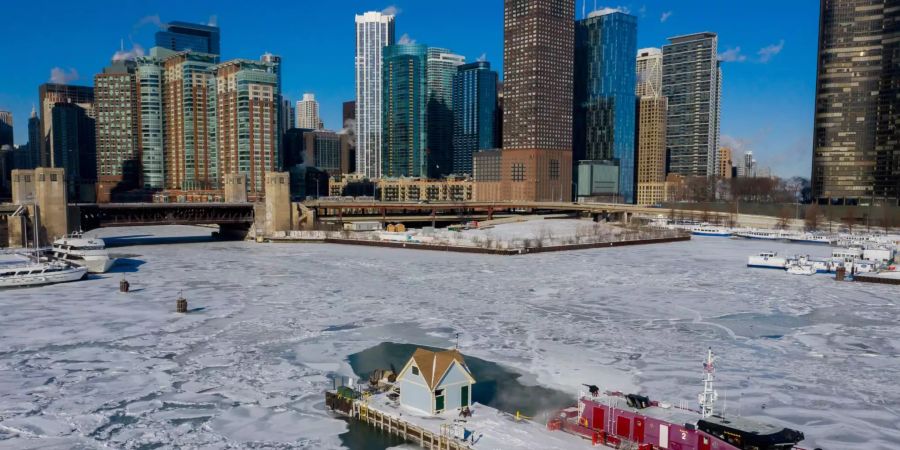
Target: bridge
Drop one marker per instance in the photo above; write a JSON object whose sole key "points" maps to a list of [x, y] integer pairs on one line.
{"points": [[98, 215]]}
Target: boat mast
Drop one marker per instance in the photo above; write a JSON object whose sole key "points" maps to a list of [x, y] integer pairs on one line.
{"points": [[708, 397]]}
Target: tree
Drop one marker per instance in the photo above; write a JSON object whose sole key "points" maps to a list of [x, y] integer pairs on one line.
{"points": [[811, 217], [784, 218]]}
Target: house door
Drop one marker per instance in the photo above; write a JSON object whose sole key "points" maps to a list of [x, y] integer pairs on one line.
{"points": [[598, 417], [439, 400], [464, 396], [639, 431]]}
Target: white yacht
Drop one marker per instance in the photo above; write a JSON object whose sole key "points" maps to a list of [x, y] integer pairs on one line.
{"points": [[88, 252], [708, 230], [810, 238], [801, 269], [770, 235], [38, 273]]}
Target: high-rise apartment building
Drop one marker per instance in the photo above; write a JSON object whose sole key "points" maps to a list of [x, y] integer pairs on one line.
{"points": [[651, 128], [374, 31], [150, 101], [283, 116], [308, 113], [648, 70], [116, 116], [180, 36], [474, 113], [856, 137], [6, 129], [404, 111], [49, 94], [188, 102], [604, 106], [246, 118], [725, 163], [288, 114], [441, 68], [538, 54], [322, 150], [74, 149], [692, 84]]}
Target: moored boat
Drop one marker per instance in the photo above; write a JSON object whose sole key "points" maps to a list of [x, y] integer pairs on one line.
{"points": [[706, 230], [767, 260], [618, 420], [40, 273], [83, 251]]}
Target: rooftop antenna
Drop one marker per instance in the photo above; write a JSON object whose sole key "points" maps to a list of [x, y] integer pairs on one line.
{"points": [[457, 341], [122, 44]]}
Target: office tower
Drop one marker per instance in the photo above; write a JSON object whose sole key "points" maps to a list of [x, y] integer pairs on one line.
{"points": [[117, 133], [648, 70], [403, 111], [537, 94], [49, 94], [604, 108], [8, 155], [33, 158], [725, 163], [374, 31], [150, 100], [74, 149], [6, 129], [322, 149], [288, 113], [188, 102], [180, 36], [474, 113], [308, 112], [246, 117], [692, 83], [440, 69], [747, 166], [856, 136], [651, 128]]}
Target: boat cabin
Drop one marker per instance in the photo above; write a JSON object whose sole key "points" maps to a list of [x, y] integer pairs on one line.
{"points": [[434, 382]]}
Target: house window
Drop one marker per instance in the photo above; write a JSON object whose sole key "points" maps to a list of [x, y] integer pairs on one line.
{"points": [[518, 172], [415, 370]]}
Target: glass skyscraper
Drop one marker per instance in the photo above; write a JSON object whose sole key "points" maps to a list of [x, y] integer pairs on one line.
{"points": [[856, 137], [403, 111], [441, 68], [474, 113], [150, 95], [604, 110], [180, 36], [692, 82], [374, 31]]}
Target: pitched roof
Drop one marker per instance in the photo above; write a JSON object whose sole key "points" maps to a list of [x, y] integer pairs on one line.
{"points": [[434, 365]]}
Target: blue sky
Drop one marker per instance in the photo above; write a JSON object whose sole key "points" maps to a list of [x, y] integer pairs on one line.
{"points": [[769, 47]]}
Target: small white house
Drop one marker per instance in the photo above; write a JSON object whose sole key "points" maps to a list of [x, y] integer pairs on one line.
{"points": [[434, 382]]}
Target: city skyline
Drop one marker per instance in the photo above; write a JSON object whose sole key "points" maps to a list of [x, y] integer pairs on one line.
{"points": [[767, 96]]}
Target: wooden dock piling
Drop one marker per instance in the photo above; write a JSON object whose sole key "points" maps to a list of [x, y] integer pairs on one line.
{"points": [[181, 305]]}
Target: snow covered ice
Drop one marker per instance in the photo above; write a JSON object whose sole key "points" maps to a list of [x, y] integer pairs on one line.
{"points": [[83, 366]]}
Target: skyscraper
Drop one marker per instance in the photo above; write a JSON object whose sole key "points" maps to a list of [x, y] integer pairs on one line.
{"points": [[725, 162], [188, 101], [117, 133], [441, 68], [474, 113], [404, 111], [33, 158], [537, 112], [49, 95], [246, 117], [150, 100], [692, 84], [179, 36], [651, 131], [374, 31], [6, 129], [308, 112], [348, 111], [856, 137], [283, 116], [74, 149], [604, 116]]}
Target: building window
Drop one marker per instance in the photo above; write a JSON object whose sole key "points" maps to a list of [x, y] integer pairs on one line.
{"points": [[554, 169], [52, 177], [518, 172], [415, 370]]}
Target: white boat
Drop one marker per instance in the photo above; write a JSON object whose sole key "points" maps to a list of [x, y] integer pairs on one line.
{"points": [[88, 252], [810, 238], [801, 269], [760, 234], [767, 260], [38, 273], [706, 230], [820, 265]]}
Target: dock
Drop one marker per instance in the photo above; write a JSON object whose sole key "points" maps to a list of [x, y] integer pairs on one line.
{"points": [[486, 428]]}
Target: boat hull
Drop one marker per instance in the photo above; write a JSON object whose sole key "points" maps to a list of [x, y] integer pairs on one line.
{"points": [[73, 274]]}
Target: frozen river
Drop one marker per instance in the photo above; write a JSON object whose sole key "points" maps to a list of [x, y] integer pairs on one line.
{"points": [[82, 366]]}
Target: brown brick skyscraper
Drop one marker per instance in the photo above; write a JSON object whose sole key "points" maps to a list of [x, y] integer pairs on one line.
{"points": [[538, 51]]}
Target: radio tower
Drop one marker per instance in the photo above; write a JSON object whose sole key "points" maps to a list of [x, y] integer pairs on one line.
{"points": [[708, 397]]}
